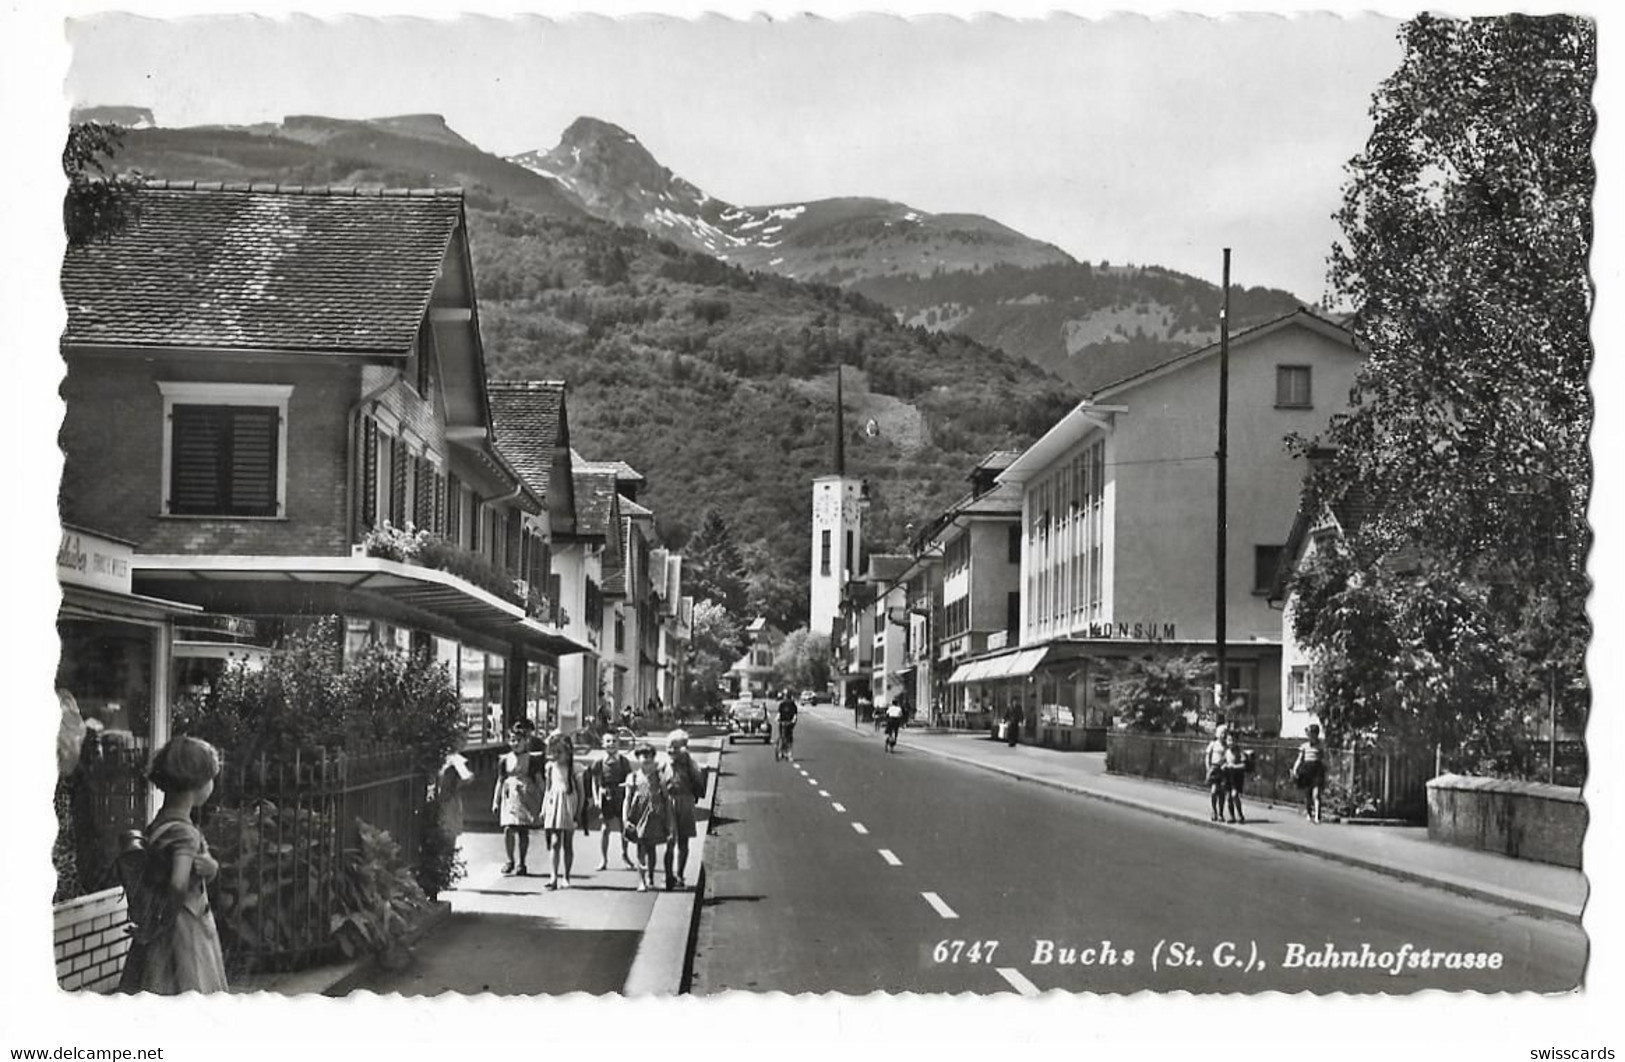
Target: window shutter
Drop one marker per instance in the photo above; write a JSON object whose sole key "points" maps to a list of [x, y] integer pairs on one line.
{"points": [[252, 465], [423, 494], [369, 473], [198, 436], [397, 482], [454, 509], [439, 503], [223, 460]]}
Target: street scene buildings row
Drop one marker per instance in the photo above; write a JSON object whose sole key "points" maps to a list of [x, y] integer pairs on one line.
{"points": [[1095, 544], [276, 411]]}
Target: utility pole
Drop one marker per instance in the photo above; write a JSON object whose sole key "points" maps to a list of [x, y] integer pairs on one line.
{"points": [[1221, 688]]}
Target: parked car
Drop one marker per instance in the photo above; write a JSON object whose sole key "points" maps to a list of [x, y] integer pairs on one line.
{"points": [[748, 719], [808, 696]]}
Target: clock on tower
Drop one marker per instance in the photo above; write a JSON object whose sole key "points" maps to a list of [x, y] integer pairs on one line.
{"points": [[824, 507]]}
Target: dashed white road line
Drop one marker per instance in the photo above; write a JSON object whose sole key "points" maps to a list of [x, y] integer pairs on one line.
{"points": [[860, 827], [803, 773], [824, 793], [838, 807], [936, 902], [886, 854], [1017, 981]]}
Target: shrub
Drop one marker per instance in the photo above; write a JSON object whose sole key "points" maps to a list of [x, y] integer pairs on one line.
{"points": [[1159, 694], [376, 895]]}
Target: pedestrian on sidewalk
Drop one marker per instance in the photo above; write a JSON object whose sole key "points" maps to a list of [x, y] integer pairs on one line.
{"points": [[176, 947], [1012, 725], [1235, 767], [1213, 758], [454, 775], [647, 813], [606, 788], [560, 806], [685, 784], [1309, 772], [516, 800]]}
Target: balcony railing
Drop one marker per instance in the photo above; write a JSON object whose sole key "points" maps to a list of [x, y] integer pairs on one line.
{"points": [[410, 546]]}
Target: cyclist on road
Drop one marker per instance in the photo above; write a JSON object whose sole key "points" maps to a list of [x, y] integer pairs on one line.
{"points": [[787, 725], [894, 723]]}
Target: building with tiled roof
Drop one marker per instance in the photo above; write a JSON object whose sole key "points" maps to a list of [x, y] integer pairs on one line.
{"points": [[267, 385]]}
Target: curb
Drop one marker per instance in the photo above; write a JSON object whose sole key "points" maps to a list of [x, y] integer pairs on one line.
{"points": [[664, 961], [1529, 905]]}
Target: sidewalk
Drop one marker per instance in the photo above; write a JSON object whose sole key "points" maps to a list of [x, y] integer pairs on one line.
{"points": [[511, 935], [1399, 851]]}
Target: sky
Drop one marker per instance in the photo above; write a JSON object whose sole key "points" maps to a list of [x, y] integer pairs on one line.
{"points": [[1127, 139], [1154, 140]]}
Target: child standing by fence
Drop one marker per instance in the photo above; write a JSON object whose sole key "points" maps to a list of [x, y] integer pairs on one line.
{"points": [[517, 798], [175, 946]]}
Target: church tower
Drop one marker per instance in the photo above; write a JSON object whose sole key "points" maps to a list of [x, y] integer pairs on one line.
{"points": [[837, 530]]}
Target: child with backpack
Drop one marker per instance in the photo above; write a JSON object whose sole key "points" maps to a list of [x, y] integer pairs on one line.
{"points": [[175, 947]]}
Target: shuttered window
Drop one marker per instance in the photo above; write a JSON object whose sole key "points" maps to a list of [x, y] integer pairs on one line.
{"points": [[223, 460], [369, 473]]}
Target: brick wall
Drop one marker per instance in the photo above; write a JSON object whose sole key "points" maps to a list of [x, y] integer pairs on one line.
{"points": [[113, 443], [90, 941]]}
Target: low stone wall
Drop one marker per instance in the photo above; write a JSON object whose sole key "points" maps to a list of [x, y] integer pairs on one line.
{"points": [[91, 940], [1525, 820]]}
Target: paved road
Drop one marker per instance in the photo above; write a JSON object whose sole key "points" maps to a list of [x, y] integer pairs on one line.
{"points": [[853, 870]]}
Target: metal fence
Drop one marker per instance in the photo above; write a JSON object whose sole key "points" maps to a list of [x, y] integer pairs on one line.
{"points": [[1377, 783], [104, 796], [282, 832]]}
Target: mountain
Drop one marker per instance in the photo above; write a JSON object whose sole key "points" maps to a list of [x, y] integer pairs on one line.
{"points": [[959, 273], [418, 150], [828, 240], [716, 383]]}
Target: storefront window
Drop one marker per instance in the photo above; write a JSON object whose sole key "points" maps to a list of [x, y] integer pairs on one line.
{"points": [[471, 694], [107, 667], [496, 681], [105, 693]]}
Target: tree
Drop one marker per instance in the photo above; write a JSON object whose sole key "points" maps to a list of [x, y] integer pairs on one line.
{"points": [[1452, 610], [1157, 693], [803, 661], [716, 644], [712, 566], [100, 203]]}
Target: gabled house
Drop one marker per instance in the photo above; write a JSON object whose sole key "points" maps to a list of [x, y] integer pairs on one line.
{"points": [[888, 652], [597, 539], [752, 674], [266, 386], [1315, 528], [1119, 514], [533, 433], [978, 539]]}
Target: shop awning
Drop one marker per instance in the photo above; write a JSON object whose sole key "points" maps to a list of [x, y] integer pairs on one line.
{"points": [[1008, 665], [409, 594]]}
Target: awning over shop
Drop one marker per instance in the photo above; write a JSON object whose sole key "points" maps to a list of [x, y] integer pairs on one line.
{"points": [[412, 595], [1005, 666]]}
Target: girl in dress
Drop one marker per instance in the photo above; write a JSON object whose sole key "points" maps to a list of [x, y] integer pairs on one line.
{"points": [[647, 813], [179, 950], [516, 798], [560, 805], [685, 783]]}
